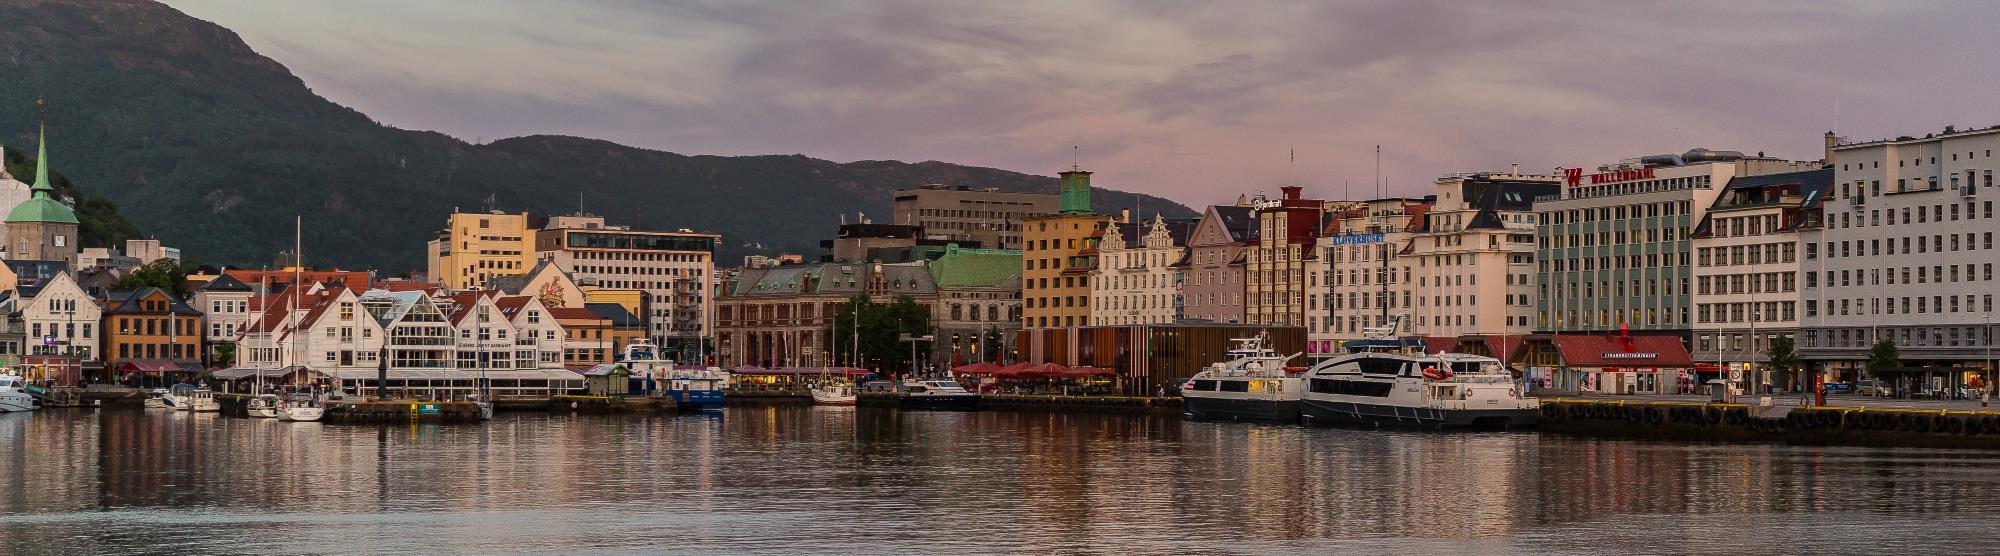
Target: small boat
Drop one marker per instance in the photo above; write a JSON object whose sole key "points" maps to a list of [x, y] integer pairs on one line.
{"points": [[303, 407], [485, 406], [941, 395], [833, 393], [264, 406], [203, 399], [188, 397], [691, 389], [14, 395], [1252, 385], [157, 399]]}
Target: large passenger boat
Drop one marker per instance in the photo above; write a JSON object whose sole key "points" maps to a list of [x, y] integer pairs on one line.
{"points": [[14, 394], [1373, 388], [1253, 384]]}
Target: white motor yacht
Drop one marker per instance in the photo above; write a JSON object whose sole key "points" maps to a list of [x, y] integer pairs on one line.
{"points": [[14, 395]]}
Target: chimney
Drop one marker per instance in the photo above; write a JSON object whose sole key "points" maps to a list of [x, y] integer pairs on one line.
{"points": [[1831, 141], [1516, 169]]}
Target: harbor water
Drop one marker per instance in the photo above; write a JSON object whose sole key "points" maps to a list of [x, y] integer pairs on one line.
{"points": [[867, 481]]}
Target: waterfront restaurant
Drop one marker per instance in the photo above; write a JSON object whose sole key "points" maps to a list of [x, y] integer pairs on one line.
{"points": [[1625, 364]]}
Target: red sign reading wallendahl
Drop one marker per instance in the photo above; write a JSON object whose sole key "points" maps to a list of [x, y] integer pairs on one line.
{"points": [[1574, 176]]}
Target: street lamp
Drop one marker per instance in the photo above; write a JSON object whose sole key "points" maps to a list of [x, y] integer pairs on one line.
{"points": [[913, 347]]}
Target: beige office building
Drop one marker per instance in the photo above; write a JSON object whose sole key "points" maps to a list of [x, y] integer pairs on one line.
{"points": [[988, 216]]}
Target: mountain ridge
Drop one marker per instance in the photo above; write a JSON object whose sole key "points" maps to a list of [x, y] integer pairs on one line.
{"points": [[212, 147]]}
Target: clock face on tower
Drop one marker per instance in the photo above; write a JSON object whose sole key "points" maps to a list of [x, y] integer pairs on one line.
{"points": [[552, 295]]}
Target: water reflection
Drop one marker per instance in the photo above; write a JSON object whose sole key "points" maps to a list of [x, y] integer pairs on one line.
{"points": [[796, 479]]}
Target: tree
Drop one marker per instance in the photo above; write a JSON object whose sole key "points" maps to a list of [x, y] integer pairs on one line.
{"points": [[881, 329], [1784, 361], [1882, 359], [166, 274], [225, 354]]}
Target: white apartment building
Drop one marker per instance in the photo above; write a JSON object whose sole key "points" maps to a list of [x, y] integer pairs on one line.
{"points": [[440, 345], [1361, 252], [226, 303], [676, 269], [1905, 253], [1474, 261], [1747, 269], [59, 318], [1613, 249], [1135, 282]]}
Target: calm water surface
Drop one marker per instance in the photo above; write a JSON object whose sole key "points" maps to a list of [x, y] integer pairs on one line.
{"points": [[826, 480]]}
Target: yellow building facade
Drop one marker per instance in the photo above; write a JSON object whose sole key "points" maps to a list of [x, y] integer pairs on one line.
{"points": [[476, 246], [1057, 254]]}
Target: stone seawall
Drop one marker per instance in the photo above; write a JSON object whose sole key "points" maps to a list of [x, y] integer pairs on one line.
{"points": [[1806, 425]]}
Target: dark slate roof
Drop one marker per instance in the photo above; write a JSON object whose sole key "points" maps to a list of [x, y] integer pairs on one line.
{"points": [[36, 272], [224, 283], [615, 313], [123, 298], [1242, 225], [1177, 228], [1813, 184], [1493, 196]]}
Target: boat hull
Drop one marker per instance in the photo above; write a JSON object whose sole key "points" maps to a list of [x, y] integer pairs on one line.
{"points": [[697, 400], [963, 402], [301, 414], [1243, 410], [1356, 414], [12, 403], [826, 398], [261, 413]]}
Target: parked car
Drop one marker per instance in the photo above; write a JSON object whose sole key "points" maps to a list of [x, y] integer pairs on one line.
{"points": [[1876, 388]]}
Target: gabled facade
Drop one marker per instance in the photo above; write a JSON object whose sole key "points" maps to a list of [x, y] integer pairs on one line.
{"points": [[1212, 276], [1135, 281], [150, 325], [59, 318]]}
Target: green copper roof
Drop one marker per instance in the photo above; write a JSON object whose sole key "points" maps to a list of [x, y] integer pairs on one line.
{"points": [[42, 207], [961, 267], [1075, 192]]}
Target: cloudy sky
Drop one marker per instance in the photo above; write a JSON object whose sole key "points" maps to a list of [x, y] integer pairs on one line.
{"points": [[1193, 100]]}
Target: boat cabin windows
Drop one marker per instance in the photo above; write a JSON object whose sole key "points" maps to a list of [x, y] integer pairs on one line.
{"points": [[1380, 365], [1235, 385], [1204, 385], [1350, 387], [1467, 367]]}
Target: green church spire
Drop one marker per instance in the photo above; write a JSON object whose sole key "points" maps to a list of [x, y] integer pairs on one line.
{"points": [[42, 188], [42, 205]]}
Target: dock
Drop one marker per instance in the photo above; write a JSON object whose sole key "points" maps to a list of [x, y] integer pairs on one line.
{"points": [[1805, 424]]}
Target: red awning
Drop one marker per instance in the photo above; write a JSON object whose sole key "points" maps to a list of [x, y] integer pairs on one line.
{"points": [[1623, 351], [980, 368], [797, 371], [151, 366]]}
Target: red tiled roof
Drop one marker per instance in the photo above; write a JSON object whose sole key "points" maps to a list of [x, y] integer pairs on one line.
{"points": [[1509, 352], [1617, 351]]}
